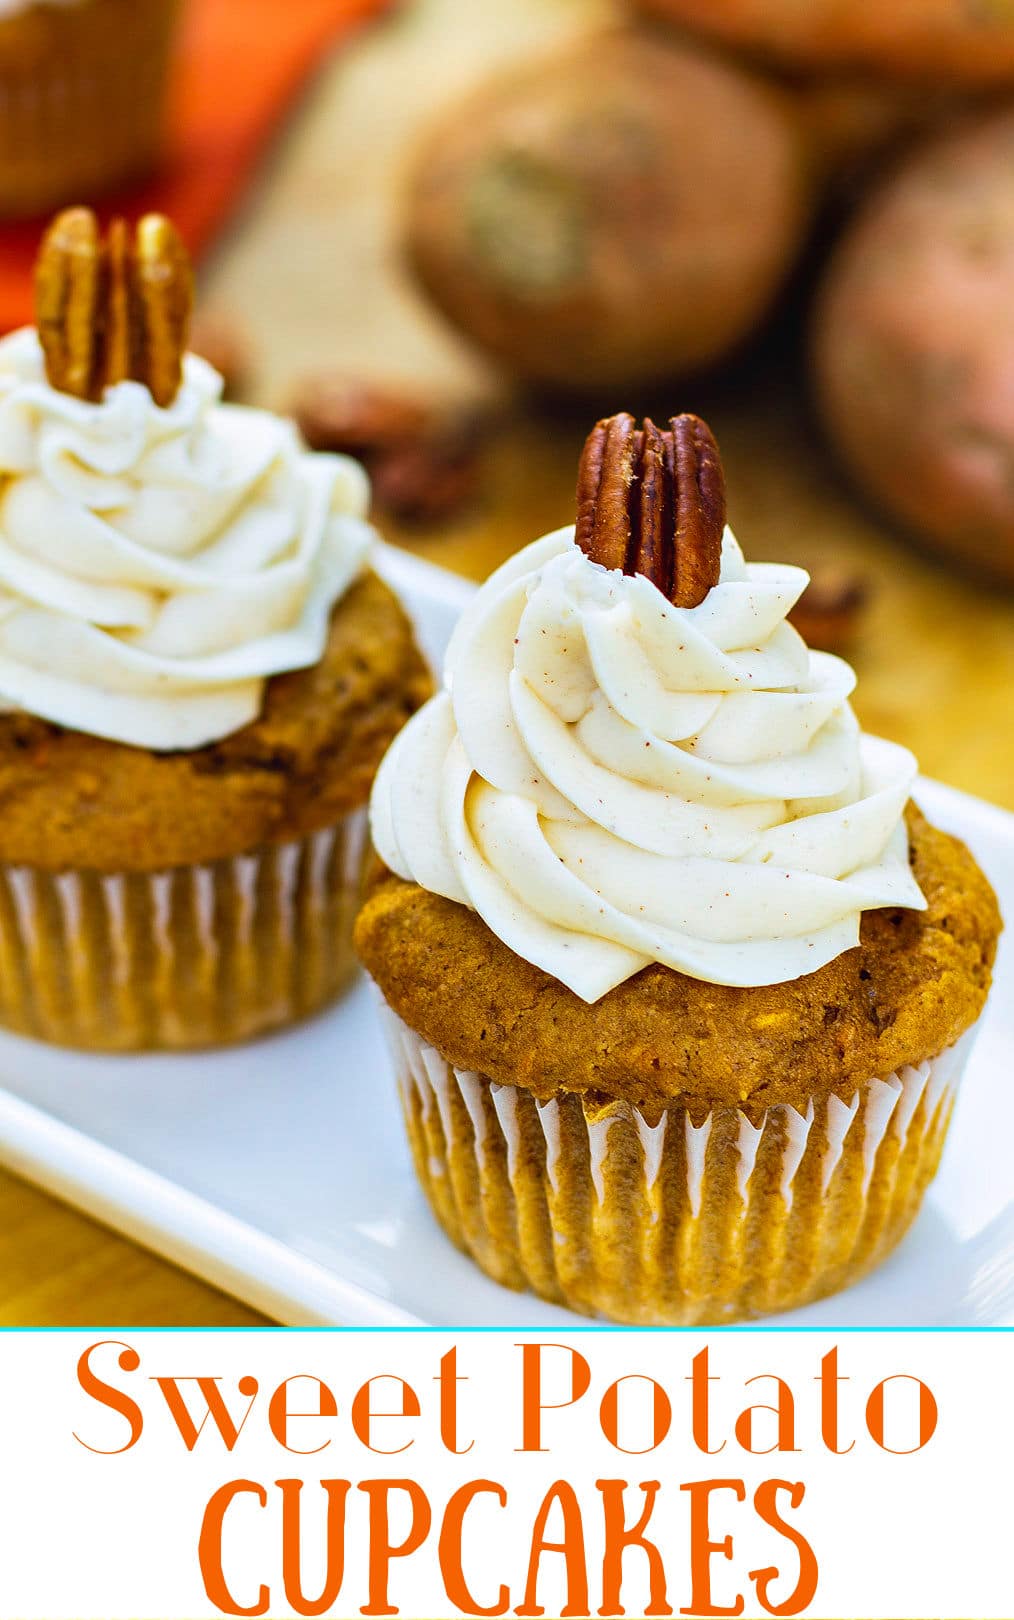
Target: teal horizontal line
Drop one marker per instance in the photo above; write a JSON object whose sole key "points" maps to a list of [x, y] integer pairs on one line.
{"points": [[551, 1329]]}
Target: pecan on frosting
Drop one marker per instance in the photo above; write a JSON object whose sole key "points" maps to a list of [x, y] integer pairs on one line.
{"points": [[114, 308], [652, 502]]}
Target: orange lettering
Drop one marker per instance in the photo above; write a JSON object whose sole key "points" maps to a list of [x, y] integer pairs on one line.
{"points": [[337, 1491], [450, 1549], [279, 1416], [702, 1548], [364, 1417], [927, 1414], [216, 1408], [804, 1591], [572, 1548], [829, 1378], [618, 1538], [700, 1378], [108, 1395], [609, 1414], [532, 1403], [382, 1549], [448, 1380], [785, 1412], [209, 1550]]}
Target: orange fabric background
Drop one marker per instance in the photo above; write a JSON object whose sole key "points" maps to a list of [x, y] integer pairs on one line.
{"points": [[240, 64]]}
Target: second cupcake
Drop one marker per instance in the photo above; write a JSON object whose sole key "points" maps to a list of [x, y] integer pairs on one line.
{"points": [[199, 674], [678, 985], [82, 93]]}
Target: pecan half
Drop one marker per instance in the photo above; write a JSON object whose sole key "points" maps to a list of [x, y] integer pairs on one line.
{"points": [[68, 300], [652, 502], [108, 310], [423, 457], [351, 416], [432, 480], [830, 611], [163, 284]]}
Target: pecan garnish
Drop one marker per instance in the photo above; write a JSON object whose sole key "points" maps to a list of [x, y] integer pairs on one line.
{"points": [[431, 481], [652, 502], [113, 309], [423, 457], [829, 613], [351, 416]]}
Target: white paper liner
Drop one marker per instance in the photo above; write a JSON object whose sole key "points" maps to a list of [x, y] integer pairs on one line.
{"points": [[197, 955], [706, 1221]]}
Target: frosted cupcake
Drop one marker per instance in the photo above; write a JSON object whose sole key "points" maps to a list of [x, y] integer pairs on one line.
{"points": [[82, 93], [679, 986], [199, 674]]}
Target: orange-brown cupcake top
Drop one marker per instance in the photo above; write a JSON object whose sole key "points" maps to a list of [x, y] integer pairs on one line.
{"points": [[915, 983], [71, 801]]}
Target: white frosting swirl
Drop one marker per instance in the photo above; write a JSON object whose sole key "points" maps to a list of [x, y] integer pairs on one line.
{"points": [[157, 566], [611, 781]]}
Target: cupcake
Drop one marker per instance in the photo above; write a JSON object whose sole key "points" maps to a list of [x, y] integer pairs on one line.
{"points": [[679, 984], [82, 94], [199, 674]]}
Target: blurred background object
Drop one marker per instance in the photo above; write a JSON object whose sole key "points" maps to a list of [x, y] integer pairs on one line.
{"points": [[82, 95], [966, 42], [914, 345], [624, 210], [422, 457], [226, 344], [830, 612]]}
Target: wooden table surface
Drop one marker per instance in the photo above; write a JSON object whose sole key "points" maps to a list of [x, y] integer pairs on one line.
{"points": [[312, 268]]}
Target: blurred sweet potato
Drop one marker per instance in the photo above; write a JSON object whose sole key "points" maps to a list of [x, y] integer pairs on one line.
{"points": [[942, 41], [622, 211], [853, 122], [914, 345]]}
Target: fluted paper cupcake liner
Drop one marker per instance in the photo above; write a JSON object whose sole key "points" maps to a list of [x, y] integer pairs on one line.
{"points": [[88, 117], [196, 956], [679, 1220]]}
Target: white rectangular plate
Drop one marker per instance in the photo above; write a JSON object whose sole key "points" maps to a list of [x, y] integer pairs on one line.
{"points": [[279, 1171]]}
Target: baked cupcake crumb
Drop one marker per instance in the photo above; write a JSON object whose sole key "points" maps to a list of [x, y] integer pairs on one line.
{"points": [[915, 983], [309, 757]]}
